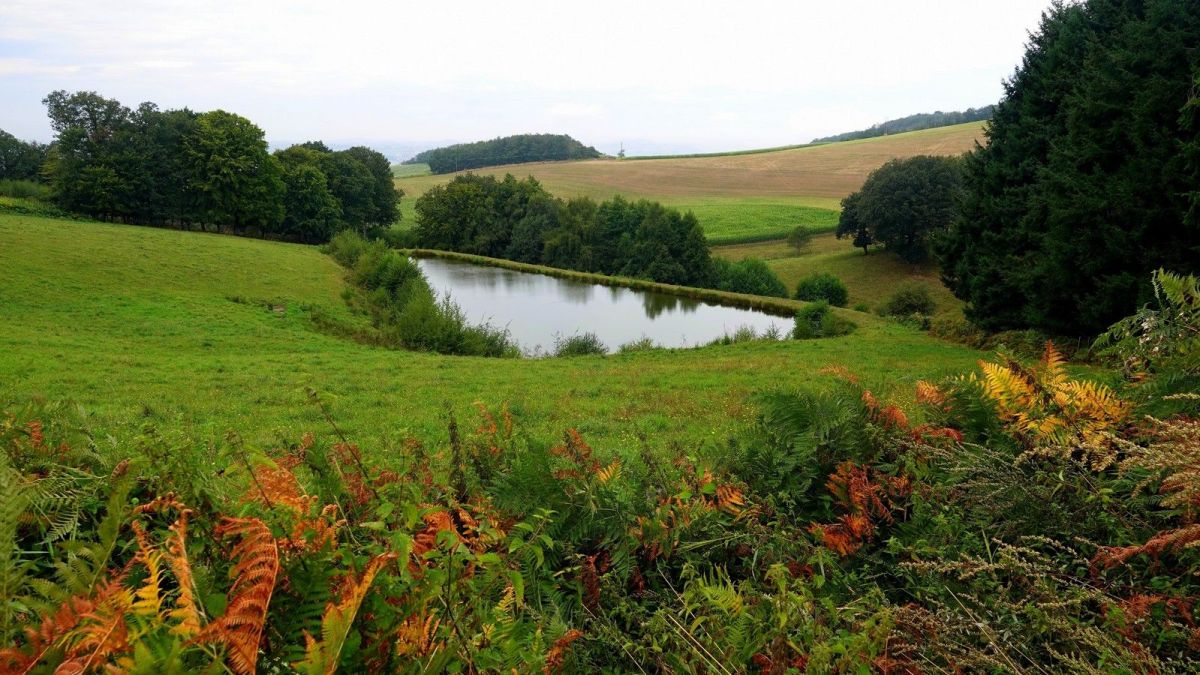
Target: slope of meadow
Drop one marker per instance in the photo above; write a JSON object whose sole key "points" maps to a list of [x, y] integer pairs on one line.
{"points": [[209, 333], [871, 279], [736, 196]]}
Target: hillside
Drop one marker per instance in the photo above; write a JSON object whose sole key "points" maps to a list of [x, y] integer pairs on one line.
{"points": [[736, 196], [216, 333]]}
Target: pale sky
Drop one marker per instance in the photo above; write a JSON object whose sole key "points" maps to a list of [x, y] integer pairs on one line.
{"points": [[684, 75]]}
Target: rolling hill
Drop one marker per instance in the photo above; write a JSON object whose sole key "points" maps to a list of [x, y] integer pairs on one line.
{"points": [[742, 196]]}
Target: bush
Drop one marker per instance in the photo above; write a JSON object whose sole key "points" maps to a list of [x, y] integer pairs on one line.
{"points": [[861, 307], [644, 344], [823, 286], [750, 276], [818, 321], [23, 189], [909, 299], [800, 238], [579, 345]]}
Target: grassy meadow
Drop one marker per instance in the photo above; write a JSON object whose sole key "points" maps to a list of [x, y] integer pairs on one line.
{"points": [[736, 196], [871, 279], [209, 333]]}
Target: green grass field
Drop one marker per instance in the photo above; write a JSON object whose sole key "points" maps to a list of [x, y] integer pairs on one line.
{"points": [[208, 333], [410, 170], [871, 279]]}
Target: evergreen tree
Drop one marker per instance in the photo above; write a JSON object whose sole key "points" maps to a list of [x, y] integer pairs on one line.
{"points": [[1086, 184]]}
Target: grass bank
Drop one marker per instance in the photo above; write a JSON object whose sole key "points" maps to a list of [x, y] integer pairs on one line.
{"points": [[208, 333]]}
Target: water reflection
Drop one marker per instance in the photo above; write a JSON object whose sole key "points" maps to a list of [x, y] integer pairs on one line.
{"points": [[536, 308]]}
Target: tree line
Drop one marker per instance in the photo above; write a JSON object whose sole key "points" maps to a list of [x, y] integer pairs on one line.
{"points": [[914, 123], [519, 220], [517, 149], [20, 160], [209, 171]]}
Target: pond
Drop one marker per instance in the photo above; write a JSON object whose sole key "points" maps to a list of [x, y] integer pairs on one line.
{"points": [[536, 308]]}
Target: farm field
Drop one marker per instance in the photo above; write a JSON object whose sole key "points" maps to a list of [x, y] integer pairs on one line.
{"points": [[736, 196], [209, 334]]}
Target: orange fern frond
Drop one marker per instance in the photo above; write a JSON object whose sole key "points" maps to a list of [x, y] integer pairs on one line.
{"points": [[558, 651], [929, 394], [187, 611], [416, 637], [102, 632], [255, 570]]}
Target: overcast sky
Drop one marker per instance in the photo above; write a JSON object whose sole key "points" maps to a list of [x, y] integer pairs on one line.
{"points": [[688, 74]]}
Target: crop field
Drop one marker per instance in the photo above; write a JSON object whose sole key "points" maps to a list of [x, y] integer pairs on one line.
{"points": [[736, 196], [211, 334], [871, 279]]}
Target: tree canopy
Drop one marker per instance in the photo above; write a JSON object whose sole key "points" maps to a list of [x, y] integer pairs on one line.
{"points": [[508, 150], [1089, 178], [903, 205], [20, 160], [519, 220], [207, 170]]}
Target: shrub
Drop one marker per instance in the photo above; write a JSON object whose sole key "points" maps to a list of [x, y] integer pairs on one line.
{"points": [[579, 345], [23, 189], [750, 276], [799, 238], [909, 299], [861, 307], [823, 286], [643, 344], [818, 321]]}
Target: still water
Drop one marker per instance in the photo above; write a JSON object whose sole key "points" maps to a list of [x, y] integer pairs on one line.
{"points": [[536, 308]]}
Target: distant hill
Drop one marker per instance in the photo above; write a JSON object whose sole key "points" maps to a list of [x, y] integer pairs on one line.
{"points": [[914, 123], [520, 149]]}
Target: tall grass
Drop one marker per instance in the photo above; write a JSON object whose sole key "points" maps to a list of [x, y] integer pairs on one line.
{"points": [[23, 189]]}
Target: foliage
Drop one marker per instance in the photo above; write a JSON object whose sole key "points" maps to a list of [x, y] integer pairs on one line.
{"points": [[210, 170], [1084, 163], [1166, 338], [904, 205], [508, 150], [816, 320], [971, 529], [581, 344], [748, 275], [519, 220], [20, 160], [908, 300], [914, 123], [22, 189], [823, 286], [403, 307], [799, 238]]}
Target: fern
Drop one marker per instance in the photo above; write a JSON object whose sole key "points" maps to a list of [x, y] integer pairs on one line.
{"points": [[13, 568], [321, 657], [255, 569]]}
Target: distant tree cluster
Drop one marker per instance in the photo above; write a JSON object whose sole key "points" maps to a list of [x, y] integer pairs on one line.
{"points": [[904, 205], [915, 123], [1090, 178], [20, 160], [519, 220], [209, 171], [508, 150]]}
